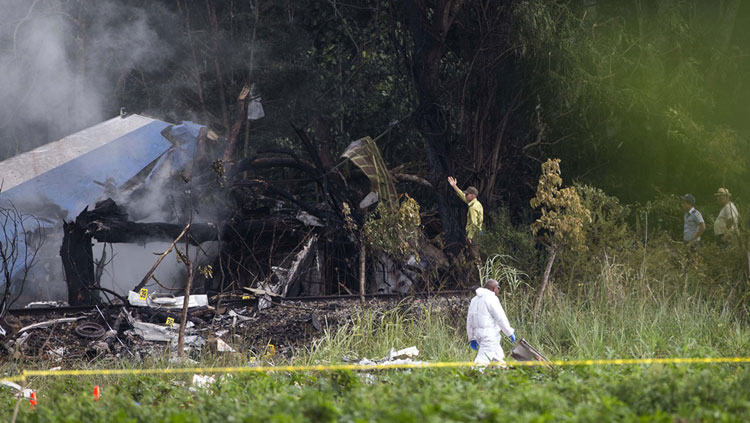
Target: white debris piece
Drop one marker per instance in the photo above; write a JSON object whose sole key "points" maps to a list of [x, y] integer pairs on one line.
{"points": [[201, 381], [408, 352], [58, 353], [167, 302], [239, 317], [181, 360], [19, 391], [255, 107], [309, 219], [161, 333], [393, 358], [264, 302], [222, 346], [42, 304], [368, 378], [22, 339], [9, 384], [153, 332]]}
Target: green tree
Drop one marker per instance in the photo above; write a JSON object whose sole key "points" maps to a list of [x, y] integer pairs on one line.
{"points": [[561, 222]]}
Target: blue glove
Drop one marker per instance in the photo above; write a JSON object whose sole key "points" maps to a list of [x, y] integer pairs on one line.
{"points": [[512, 338], [474, 345]]}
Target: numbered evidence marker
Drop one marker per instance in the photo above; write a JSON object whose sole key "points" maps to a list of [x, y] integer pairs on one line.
{"points": [[270, 350], [170, 321], [143, 294], [246, 297]]}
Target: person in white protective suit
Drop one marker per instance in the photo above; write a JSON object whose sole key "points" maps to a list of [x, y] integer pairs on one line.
{"points": [[485, 320]]}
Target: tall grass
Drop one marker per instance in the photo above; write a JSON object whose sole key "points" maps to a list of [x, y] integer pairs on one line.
{"points": [[617, 311], [438, 332]]}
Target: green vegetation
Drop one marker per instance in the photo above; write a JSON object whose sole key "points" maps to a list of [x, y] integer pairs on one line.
{"points": [[638, 99], [642, 394], [617, 311]]}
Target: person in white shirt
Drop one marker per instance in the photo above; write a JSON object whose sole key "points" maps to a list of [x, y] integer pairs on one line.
{"points": [[485, 320], [726, 223], [693, 226]]}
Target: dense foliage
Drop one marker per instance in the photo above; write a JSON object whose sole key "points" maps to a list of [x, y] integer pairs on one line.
{"points": [[635, 99], [650, 394]]}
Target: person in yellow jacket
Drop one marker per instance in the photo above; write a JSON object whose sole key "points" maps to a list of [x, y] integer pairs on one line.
{"points": [[474, 216]]}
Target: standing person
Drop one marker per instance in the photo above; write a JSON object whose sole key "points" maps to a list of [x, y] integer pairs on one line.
{"points": [[726, 224], [485, 320], [693, 224], [474, 216]]}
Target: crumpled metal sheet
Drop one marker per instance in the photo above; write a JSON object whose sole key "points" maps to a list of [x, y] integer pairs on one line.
{"points": [[198, 300]]}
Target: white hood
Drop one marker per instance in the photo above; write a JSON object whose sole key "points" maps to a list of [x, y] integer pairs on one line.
{"points": [[482, 292]]}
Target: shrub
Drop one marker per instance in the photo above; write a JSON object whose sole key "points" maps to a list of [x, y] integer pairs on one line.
{"points": [[607, 234], [515, 242]]}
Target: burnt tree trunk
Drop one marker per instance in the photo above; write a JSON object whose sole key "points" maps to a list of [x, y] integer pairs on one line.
{"points": [[78, 263], [239, 120], [429, 30]]}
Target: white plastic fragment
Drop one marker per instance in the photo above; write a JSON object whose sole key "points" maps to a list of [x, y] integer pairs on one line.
{"points": [[202, 381]]}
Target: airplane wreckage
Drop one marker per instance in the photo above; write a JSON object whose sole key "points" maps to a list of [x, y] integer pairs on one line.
{"points": [[135, 203]]}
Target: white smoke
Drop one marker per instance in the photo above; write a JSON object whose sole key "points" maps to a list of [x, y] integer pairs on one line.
{"points": [[61, 62], [61, 66]]}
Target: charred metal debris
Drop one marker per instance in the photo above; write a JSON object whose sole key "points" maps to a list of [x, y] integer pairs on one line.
{"points": [[242, 234]]}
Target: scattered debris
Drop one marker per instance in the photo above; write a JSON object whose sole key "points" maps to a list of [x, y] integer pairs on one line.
{"points": [[53, 337], [403, 356], [162, 333], [19, 391]]}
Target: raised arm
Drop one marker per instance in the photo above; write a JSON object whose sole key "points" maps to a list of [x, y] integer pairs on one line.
{"points": [[452, 181]]}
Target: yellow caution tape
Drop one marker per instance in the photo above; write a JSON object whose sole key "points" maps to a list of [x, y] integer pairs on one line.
{"points": [[333, 367]]}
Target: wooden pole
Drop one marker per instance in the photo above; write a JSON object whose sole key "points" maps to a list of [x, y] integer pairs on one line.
{"points": [[188, 284], [161, 257], [362, 260]]}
